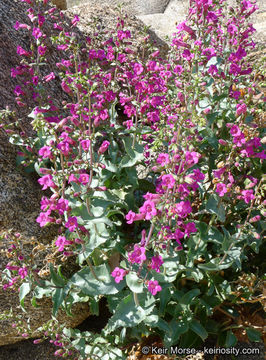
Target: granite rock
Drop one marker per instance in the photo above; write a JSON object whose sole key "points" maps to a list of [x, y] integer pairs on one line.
{"points": [[136, 7], [20, 193]]}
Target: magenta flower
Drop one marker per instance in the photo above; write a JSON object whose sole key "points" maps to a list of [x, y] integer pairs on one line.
{"points": [[44, 218], [152, 197], [61, 242], [247, 195], [190, 228], [183, 208], [84, 179], [138, 68], [45, 203], [239, 140], [184, 27], [46, 181], [241, 109], [36, 32], [163, 159], [65, 87], [197, 175], [75, 20], [118, 274], [12, 267], [64, 147], [23, 272], [72, 178], [168, 181], [62, 206], [221, 189], [18, 25], [103, 147], [42, 50], [72, 223], [209, 53], [45, 152], [148, 209], [156, 263], [49, 77], [85, 144], [130, 217], [192, 158], [235, 131], [178, 234], [21, 51], [18, 91], [138, 255], [153, 287]]}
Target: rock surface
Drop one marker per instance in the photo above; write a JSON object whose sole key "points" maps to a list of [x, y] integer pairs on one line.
{"points": [[20, 193], [136, 7], [162, 15]]}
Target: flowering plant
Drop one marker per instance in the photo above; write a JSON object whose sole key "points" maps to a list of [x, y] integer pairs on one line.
{"points": [[154, 171]]}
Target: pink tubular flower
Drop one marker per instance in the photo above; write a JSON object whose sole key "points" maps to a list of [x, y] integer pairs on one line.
{"points": [[168, 181], [241, 109], [163, 159], [138, 255], [75, 20], [152, 197], [12, 267], [62, 206], [45, 152], [221, 189], [247, 195], [49, 77], [65, 87], [156, 263], [64, 147], [72, 178], [85, 144], [44, 218], [61, 242], [138, 68], [235, 131], [71, 224], [182, 209], [255, 219], [192, 158], [103, 147], [18, 25], [153, 287], [148, 208], [130, 217], [21, 51], [42, 50], [84, 179], [190, 228], [36, 32], [118, 274], [46, 181], [23, 272]]}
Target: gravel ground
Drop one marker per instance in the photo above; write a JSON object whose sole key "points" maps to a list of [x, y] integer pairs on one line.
{"points": [[26, 350]]}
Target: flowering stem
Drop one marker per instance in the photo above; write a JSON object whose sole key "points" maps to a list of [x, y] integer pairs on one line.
{"points": [[243, 226]]}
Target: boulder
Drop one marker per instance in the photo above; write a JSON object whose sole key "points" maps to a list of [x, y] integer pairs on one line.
{"points": [[60, 4], [20, 193], [136, 7], [164, 25]]}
